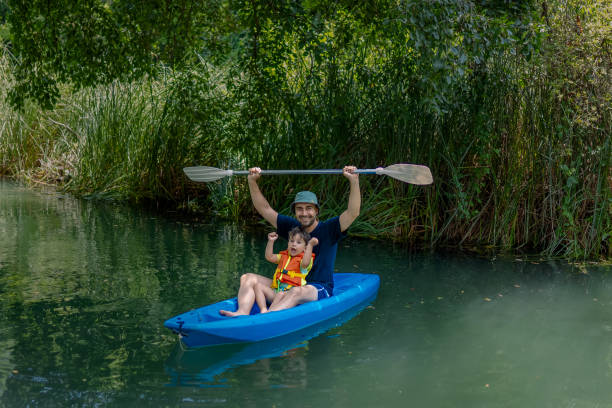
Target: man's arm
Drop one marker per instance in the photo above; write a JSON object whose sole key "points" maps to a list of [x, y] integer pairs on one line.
{"points": [[259, 201], [354, 202]]}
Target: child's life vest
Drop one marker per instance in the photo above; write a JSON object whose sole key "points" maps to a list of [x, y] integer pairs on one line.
{"points": [[289, 273]]}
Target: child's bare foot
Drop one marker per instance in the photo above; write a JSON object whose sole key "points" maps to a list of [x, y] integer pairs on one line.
{"points": [[264, 311]]}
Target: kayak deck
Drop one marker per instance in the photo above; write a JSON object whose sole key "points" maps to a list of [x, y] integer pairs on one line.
{"points": [[205, 326]]}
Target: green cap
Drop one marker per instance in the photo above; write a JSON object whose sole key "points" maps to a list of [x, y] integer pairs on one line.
{"points": [[305, 197]]}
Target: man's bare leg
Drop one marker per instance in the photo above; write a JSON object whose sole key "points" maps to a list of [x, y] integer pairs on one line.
{"points": [[293, 297], [246, 294]]}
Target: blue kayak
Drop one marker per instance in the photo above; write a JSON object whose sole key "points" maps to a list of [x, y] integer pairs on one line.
{"points": [[206, 327], [198, 366]]}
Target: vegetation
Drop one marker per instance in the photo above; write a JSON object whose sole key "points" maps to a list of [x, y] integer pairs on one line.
{"points": [[507, 102]]}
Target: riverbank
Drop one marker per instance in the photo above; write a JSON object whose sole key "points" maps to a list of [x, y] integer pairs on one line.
{"points": [[253, 224], [519, 147]]}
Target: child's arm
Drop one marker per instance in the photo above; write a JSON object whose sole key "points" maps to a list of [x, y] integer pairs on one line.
{"points": [[308, 253], [270, 255]]}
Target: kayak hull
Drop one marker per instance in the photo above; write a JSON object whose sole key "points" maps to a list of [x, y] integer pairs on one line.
{"points": [[206, 327]]}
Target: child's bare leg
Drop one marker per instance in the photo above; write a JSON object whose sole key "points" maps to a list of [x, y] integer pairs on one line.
{"points": [[260, 299], [264, 294]]}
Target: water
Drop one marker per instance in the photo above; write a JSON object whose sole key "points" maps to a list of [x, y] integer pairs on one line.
{"points": [[85, 288]]}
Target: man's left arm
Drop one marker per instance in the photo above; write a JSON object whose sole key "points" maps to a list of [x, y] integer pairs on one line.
{"points": [[354, 202]]}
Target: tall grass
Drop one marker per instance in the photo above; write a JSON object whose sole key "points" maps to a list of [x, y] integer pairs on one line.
{"points": [[30, 144], [135, 138], [121, 141]]}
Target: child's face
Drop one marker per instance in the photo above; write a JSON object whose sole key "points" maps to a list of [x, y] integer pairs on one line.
{"points": [[297, 245]]}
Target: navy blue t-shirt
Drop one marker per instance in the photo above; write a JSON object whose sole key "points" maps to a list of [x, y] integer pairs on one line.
{"points": [[328, 233]]}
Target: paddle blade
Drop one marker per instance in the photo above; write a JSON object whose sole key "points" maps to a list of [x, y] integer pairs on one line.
{"points": [[205, 174], [409, 173]]}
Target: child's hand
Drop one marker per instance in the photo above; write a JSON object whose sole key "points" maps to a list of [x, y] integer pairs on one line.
{"points": [[313, 242], [273, 236]]}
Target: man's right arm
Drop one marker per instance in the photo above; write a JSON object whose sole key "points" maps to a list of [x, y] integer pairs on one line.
{"points": [[354, 202], [259, 201]]}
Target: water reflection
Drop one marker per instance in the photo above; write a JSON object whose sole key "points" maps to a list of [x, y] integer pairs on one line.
{"points": [[85, 288]]}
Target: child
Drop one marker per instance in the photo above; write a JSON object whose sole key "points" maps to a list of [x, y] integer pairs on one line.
{"points": [[293, 266]]}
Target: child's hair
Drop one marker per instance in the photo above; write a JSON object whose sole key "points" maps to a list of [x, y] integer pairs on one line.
{"points": [[299, 231]]}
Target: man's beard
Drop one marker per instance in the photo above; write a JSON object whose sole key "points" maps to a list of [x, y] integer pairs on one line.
{"points": [[307, 222]]}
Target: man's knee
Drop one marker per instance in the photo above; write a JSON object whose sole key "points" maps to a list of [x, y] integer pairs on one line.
{"points": [[248, 279], [308, 293]]}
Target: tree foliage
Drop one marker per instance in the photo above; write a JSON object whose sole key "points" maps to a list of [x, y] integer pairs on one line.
{"points": [[92, 42], [95, 41]]}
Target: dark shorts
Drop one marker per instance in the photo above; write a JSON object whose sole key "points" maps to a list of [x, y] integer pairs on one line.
{"points": [[322, 293]]}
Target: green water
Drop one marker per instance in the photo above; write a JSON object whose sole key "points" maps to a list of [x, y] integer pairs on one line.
{"points": [[85, 288]]}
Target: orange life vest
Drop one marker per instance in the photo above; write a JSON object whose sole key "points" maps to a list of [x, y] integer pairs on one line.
{"points": [[289, 271]]}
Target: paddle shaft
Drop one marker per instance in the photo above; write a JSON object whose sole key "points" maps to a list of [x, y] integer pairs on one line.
{"points": [[320, 171]]}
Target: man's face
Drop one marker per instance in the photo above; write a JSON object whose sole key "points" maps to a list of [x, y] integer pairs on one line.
{"points": [[306, 214]]}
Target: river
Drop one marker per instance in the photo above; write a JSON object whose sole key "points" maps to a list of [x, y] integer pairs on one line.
{"points": [[86, 286]]}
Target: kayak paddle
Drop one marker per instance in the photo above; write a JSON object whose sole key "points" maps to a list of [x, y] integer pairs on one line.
{"points": [[408, 173]]}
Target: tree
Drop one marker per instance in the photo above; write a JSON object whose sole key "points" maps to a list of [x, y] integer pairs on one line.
{"points": [[89, 42]]}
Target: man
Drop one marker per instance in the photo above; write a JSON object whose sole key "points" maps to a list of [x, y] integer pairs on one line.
{"points": [[320, 283]]}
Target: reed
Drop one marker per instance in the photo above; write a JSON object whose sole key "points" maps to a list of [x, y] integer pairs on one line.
{"points": [[134, 139], [28, 145], [119, 141]]}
